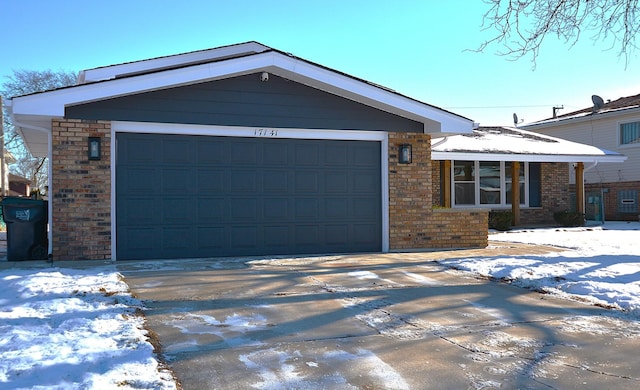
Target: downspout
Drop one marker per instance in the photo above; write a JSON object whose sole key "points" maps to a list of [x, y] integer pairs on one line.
{"points": [[49, 176]]}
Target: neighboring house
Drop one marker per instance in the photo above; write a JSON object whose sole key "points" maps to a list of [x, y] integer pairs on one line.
{"points": [[19, 186], [242, 150], [6, 179], [476, 169], [612, 190]]}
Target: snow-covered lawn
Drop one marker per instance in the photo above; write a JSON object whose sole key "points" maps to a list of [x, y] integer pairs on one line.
{"points": [[601, 265], [79, 329], [70, 329]]}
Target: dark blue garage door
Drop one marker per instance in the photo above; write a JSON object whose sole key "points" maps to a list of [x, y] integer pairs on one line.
{"points": [[199, 196]]}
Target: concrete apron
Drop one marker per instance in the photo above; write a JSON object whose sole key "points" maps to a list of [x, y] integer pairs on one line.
{"points": [[376, 321]]}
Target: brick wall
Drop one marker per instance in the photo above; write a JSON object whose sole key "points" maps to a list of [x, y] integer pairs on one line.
{"points": [[610, 199], [413, 223], [80, 194]]}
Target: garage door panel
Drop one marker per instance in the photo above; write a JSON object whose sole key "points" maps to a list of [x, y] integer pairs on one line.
{"points": [[210, 152], [336, 208], [243, 153], [140, 151], [243, 181], [277, 236], [306, 154], [176, 180], [140, 180], [275, 153], [245, 196], [336, 234], [306, 182], [211, 239], [276, 181], [210, 210], [179, 210], [336, 182], [243, 209], [364, 209], [337, 154], [210, 181], [307, 235], [307, 209], [176, 239], [276, 209], [139, 212], [365, 182], [244, 237], [180, 152]]}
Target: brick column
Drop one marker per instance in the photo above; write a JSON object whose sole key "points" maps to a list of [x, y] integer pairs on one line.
{"points": [[81, 191], [410, 195]]}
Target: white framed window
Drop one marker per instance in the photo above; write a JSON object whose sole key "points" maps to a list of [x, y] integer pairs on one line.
{"points": [[489, 183], [629, 134]]}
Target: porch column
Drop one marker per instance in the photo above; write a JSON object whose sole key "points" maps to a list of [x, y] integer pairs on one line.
{"points": [[515, 192], [580, 187], [446, 183]]}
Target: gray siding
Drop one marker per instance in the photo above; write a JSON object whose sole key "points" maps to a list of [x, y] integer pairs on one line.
{"points": [[246, 101]]}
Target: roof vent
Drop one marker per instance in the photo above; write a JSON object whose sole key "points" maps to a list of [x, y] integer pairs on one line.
{"points": [[598, 103]]}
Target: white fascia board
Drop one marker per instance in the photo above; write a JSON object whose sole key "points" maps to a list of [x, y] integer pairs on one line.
{"points": [[527, 157], [111, 72]]}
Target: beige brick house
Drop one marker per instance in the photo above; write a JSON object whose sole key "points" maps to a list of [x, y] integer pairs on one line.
{"points": [[240, 150]]}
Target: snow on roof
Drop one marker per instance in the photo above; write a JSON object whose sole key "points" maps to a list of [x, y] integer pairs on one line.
{"points": [[502, 143]]}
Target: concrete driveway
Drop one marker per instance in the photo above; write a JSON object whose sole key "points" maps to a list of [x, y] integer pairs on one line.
{"points": [[376, 321]]}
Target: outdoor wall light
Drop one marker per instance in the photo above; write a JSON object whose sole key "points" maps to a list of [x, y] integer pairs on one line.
{"points": [[405, 154], [94, 148]]}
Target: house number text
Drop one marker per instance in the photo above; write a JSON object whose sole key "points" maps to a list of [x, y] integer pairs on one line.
{"points": [[265, 133]]}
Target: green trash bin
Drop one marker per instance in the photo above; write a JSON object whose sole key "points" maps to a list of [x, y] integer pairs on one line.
{"points": [[26, 221]]}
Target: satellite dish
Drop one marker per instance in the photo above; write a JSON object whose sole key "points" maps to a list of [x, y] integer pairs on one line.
{"points": [[598, 103], [515, 119]]}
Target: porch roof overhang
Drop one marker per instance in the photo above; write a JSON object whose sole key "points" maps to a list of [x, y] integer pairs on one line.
{"points": [[512, 144], [32, 114]]}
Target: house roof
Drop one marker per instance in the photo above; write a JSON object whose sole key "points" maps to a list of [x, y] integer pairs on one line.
{"points": [[509, 144], [619, 106], [32, 113]]}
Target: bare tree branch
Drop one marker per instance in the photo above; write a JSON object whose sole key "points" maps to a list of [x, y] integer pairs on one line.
{"points": [[24, 82], [521, 26]]}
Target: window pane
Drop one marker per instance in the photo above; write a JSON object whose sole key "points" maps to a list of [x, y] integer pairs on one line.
{"points": [[508, 194], [465, 193], [507, 181], [630, 133], [535, 187], [490, 182], [464, 171]]}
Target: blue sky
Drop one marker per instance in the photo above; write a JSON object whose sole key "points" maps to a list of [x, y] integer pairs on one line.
{"points": [[418, 48]]}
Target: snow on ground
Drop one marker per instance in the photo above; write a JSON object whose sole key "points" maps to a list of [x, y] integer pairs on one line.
{"points": [[70, 329], [601, 264]]}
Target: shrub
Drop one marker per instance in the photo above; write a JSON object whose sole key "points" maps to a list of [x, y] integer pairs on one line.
{"points": [[569, 218], [500, 220]]}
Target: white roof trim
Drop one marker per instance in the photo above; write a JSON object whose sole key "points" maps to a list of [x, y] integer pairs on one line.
{"points": [[527, 157], [155, 64]]}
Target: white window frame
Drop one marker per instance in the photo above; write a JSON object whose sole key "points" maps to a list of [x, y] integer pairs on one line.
{"points": [[503, 187], [619, 134]]}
